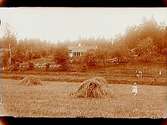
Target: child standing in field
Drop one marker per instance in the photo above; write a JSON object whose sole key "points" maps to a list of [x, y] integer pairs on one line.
{"points": [[160, 72], [134, 89]]}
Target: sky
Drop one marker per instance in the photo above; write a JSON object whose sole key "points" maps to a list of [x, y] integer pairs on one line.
{"points": [[61, 24]]}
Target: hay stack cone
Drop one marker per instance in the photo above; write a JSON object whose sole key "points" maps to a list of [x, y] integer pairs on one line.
{"points": [[94, 88], [31, 80]]}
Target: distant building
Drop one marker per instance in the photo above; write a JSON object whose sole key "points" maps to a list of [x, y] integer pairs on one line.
{"points": [[76, 51]]}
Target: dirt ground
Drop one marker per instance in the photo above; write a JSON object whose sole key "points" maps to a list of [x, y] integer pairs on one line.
{"points": [[53, 100]]}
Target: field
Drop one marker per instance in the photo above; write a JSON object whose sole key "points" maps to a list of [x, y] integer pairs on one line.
{"points": [[116, 74], [53, 100]]}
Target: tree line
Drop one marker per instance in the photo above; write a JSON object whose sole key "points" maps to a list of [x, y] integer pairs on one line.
{"points": [[144, 43]]}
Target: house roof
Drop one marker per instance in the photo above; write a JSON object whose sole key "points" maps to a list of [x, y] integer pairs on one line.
{"points": [[80, 48]]}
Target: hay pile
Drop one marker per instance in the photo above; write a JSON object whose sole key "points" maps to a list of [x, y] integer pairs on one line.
{"points": [[94, 88], [31, 80]]}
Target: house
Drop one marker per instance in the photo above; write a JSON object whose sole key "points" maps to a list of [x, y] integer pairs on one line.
{"points": [[76, 51]]}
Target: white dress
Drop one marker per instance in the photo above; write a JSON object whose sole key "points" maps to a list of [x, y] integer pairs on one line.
{"points": [[134, 90]]}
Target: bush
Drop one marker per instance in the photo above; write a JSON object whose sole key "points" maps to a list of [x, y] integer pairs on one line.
{"points": [[61, 57], [90, 59], [31, 66]]}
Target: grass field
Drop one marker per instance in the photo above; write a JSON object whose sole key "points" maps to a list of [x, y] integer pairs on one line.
{"points": [[52, 99], [117, 74]]}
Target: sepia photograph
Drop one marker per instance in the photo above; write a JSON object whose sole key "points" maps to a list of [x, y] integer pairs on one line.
{"points": [[65, 62]]}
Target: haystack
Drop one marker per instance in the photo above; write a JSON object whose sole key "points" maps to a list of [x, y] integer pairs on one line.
{"points": [[94, 87], [31, 80]]}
